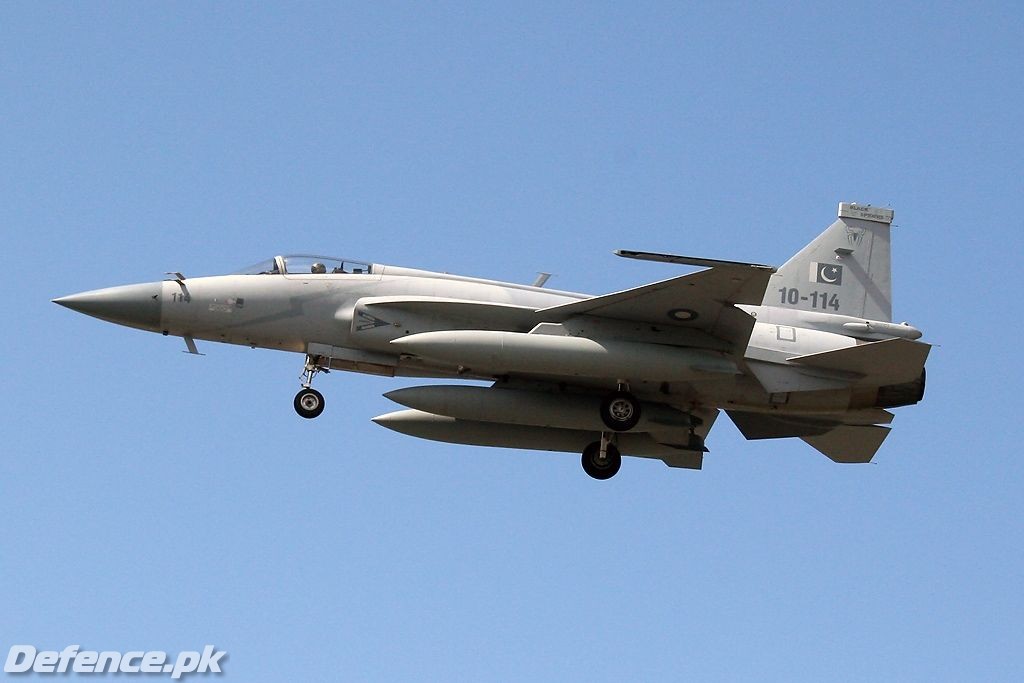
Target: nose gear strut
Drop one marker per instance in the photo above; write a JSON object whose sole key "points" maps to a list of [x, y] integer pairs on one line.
{"points": [[309, 402]]}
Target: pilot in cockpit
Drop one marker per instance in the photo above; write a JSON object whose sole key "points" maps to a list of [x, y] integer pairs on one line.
{"points": [[318, 268]]}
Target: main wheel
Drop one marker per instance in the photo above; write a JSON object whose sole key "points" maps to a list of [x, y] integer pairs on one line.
{"points": [[620, 411], [309, 403], [598, 467]]}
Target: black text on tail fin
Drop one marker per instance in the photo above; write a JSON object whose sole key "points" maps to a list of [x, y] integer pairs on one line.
{"points": [[846, 270]]}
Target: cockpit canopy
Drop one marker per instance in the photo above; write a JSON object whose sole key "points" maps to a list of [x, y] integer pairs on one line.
{"points": [[305, 264]]}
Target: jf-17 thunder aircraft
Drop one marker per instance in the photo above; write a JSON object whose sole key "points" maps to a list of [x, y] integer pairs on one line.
{"points": [[807, 350]]}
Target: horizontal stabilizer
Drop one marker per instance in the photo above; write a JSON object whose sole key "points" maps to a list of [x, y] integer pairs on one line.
{"points": [[840, 442], [848, 443], [755, 426], [892, 361]]}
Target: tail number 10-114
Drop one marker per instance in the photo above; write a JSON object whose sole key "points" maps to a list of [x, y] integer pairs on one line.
{"points": [[822, 300]]}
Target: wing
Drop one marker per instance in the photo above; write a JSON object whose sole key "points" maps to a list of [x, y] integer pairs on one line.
{"points": [[703, 301]]}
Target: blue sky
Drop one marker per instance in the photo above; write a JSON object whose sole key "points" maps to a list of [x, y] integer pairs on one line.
{"points": [[154, 500]]}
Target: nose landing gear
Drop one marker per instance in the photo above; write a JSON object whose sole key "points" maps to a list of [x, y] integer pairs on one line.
{"points": [[309, 402]]}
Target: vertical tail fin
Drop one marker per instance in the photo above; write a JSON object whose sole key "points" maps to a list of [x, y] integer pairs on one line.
{"points": [[845, 270]]}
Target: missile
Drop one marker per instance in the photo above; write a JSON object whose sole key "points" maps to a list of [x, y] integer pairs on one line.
{"points": [[472, 433], [531, 408], [498, 353], [882, 330]]}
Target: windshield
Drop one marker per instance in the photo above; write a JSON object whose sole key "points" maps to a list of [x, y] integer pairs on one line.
{"points": [[304, 264], [268, 267]]}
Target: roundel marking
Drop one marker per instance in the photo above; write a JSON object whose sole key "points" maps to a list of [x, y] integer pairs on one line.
{"points": [[683, 315]]}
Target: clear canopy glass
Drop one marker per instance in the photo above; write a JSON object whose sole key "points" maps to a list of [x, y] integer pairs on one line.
{"points": [[300, 264], [306, 264]]}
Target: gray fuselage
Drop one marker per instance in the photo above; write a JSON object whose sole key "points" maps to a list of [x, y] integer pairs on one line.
{"points": [[299, 312]]}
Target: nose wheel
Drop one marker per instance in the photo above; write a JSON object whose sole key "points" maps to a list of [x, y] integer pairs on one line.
{"points": [[309, 402]]}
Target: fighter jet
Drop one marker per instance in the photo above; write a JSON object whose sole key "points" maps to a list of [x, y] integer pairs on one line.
{"points": [[807, 350]]}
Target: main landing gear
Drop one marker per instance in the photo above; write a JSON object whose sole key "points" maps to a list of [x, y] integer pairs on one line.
{"points": [[620, 412], [602, 459], [309, 402]]}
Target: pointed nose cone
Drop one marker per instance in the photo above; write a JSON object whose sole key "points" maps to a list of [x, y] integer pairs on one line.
{"points": [[132, 305]]}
